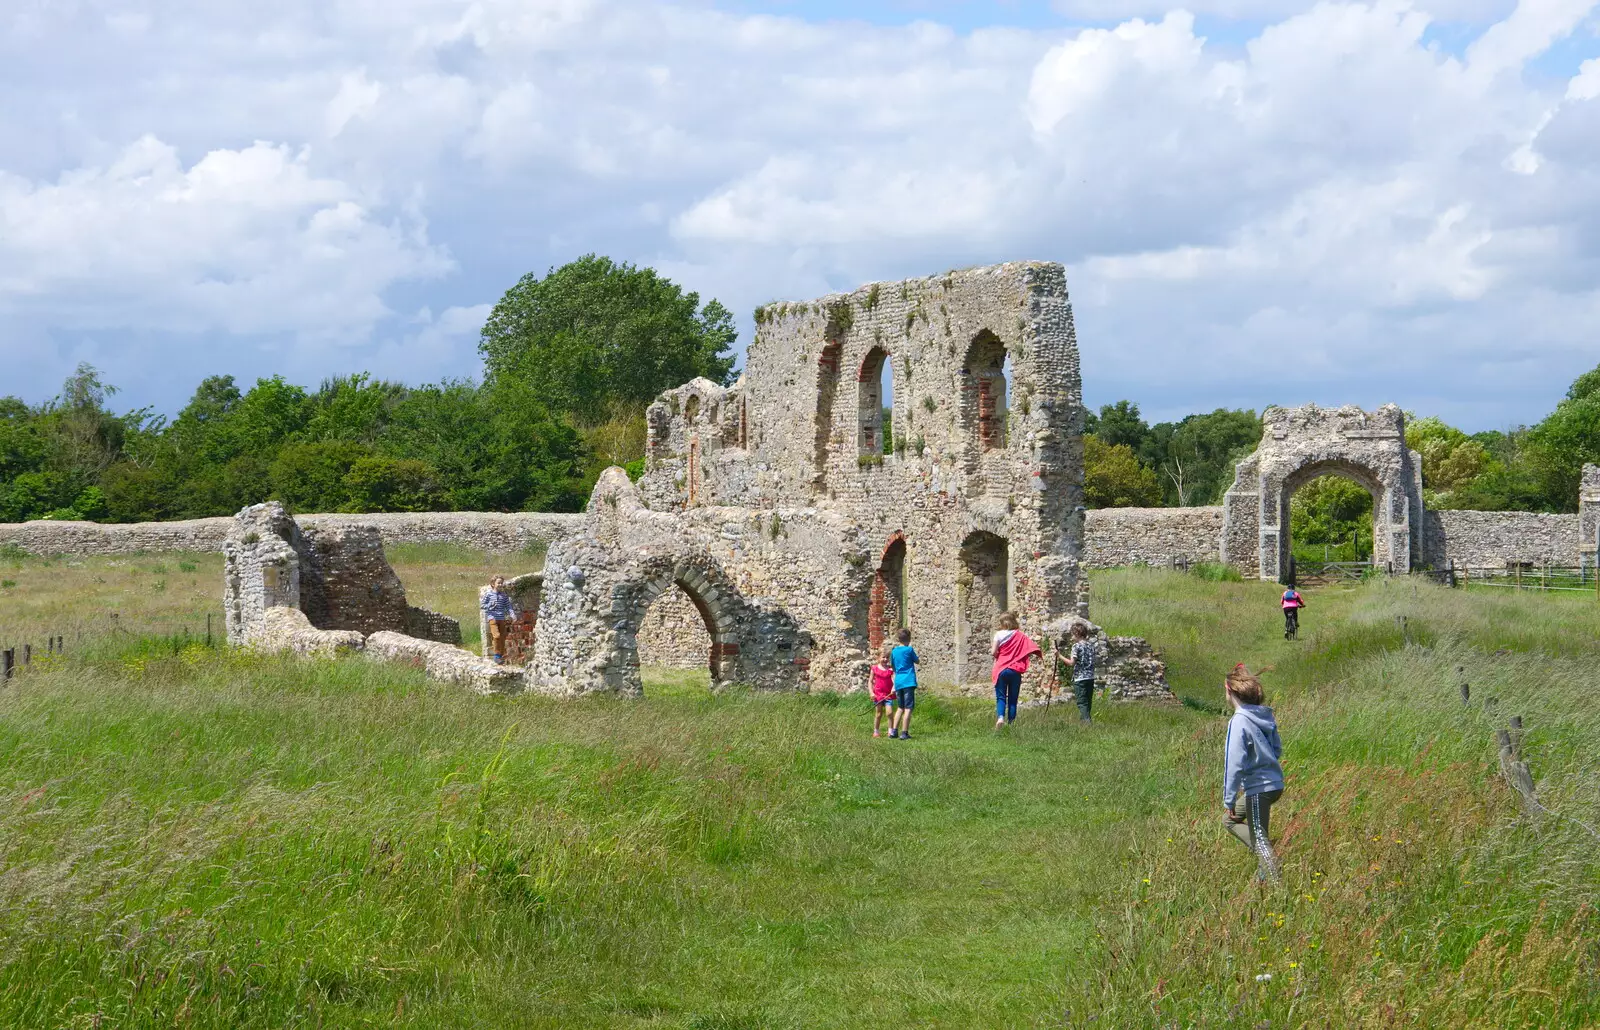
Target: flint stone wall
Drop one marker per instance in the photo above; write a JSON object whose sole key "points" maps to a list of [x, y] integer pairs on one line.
{"points": [[1491, 539], [496, 532], [1152, 536], [673, 634], [975, 507]]}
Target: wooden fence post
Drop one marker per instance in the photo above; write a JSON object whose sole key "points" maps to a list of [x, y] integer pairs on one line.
{"points": [[1515, 736], [27, 655], [8, 664], [1513, 769]]}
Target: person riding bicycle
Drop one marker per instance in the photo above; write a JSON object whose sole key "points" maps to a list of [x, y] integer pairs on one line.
{"points": [[1293, 601]]}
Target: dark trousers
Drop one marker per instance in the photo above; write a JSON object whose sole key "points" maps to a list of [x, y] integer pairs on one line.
{"points": [[1083, 694], [1007, 686], [1291, 622]]}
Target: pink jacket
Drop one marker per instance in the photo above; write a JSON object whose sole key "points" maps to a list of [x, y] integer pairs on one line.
{"points": [[1013, 653]]}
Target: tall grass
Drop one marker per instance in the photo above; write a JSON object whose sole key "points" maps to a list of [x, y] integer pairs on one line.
{"points": [[216, 839]]}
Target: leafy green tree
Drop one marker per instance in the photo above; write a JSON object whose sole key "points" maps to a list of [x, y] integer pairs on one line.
{"points": [[351, 408], [1119, 423], [593, 331], [1194, 458], [310, 477], [378, 483], [1565, 441], [1113, 477]]}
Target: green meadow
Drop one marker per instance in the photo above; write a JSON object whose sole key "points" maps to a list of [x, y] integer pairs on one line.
{"points": [[197, 837]]}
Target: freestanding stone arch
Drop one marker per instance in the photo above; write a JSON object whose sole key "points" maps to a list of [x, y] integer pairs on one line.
{"points": [[1301, 444]]}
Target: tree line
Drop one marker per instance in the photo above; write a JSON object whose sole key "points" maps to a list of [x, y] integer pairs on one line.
{"points": [[571, 359]]}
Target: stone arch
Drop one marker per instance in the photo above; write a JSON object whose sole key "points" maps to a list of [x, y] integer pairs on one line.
{"points": [[983, 591], [886, 610], [1356, 473], [1301, 444], [707, 590], [869, 403]]}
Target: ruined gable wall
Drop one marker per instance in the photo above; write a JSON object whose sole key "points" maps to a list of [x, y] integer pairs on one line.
{"points": [[803, 426]]}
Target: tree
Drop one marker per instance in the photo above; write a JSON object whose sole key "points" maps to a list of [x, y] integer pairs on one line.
{"points": [[310, 477], [1567, 439], [594, 332], [1113, 477], [1331, 510], [1120, 423], [1195, 457], [379, 483]]}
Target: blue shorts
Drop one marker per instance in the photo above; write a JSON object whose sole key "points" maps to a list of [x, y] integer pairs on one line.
{"points": [[905, 697]]}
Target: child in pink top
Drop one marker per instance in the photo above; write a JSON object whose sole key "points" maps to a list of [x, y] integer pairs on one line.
{"points": [[882, 694], [1012, 651]]}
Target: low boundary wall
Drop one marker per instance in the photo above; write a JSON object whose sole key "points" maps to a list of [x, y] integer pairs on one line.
{"points": [[1490, 539], [488, 530], [1151, 536]]}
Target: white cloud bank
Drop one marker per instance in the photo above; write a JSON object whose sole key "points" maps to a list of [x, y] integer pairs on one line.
{"points": [[1340, 209]]}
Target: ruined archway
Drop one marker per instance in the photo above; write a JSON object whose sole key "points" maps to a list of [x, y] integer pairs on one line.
{"points": [[1338, 525], [886, 610], [983, 588], [711, 597], [1301, 444], [675, 636]]}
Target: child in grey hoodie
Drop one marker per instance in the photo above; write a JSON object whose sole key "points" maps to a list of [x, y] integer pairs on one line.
{"points": [[1252, 777]]}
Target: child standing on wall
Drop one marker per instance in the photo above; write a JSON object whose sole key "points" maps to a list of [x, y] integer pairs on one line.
{"points": [[883, 693], [1252, 778], [1293, 601], [499, 612], [1012, 651], [904, 661], [1081, 659]]}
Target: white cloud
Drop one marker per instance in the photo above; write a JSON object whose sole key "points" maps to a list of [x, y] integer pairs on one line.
{"points": [[1244, 223]]}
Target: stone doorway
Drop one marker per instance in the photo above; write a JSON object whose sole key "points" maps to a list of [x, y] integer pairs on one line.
{"points": [[675, 634], [982, 592], [886, 611]]}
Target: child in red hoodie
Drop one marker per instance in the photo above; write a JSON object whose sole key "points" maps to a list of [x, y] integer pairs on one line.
{"points": [[1012, 651]]}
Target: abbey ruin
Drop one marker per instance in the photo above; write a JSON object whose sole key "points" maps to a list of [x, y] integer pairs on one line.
{"points": [[908, 455]]}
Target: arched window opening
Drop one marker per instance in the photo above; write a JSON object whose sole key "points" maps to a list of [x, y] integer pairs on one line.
{"points": [[691, 409], [983, 592], [675, 644], [886, 613], [827, 388], [875, 382], [985, 374]]}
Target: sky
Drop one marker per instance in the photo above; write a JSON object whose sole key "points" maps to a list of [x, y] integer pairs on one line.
{"points": [[1256, 202]]}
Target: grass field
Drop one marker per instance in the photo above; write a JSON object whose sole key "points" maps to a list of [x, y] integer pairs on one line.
{"points": [[214, 839]]}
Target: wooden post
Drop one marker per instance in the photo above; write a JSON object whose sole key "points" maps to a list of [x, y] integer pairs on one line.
{"points": [[27, 655], [1518, 569], [1516, 736], [208, 630], [8, 664]]}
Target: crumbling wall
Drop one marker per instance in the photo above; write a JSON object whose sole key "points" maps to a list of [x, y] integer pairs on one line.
{"points": [[1589, 515], [1114, 537], [337, 576], [983, 456]]}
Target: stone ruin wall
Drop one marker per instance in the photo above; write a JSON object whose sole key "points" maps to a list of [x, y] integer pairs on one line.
{"points": [[978, 502], [673, 634], [1152, 536], [493, 532], [1495, 539]]}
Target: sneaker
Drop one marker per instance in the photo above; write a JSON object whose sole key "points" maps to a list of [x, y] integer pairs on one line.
{"points": [[893, 734], [875, 733], [497, 659], [906, 735]]}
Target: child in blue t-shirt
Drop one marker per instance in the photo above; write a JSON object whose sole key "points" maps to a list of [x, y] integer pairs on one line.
{"points": [[903, 660]]}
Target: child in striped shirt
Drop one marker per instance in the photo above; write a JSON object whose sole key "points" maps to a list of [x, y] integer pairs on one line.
{"points": [[500, 612]]}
